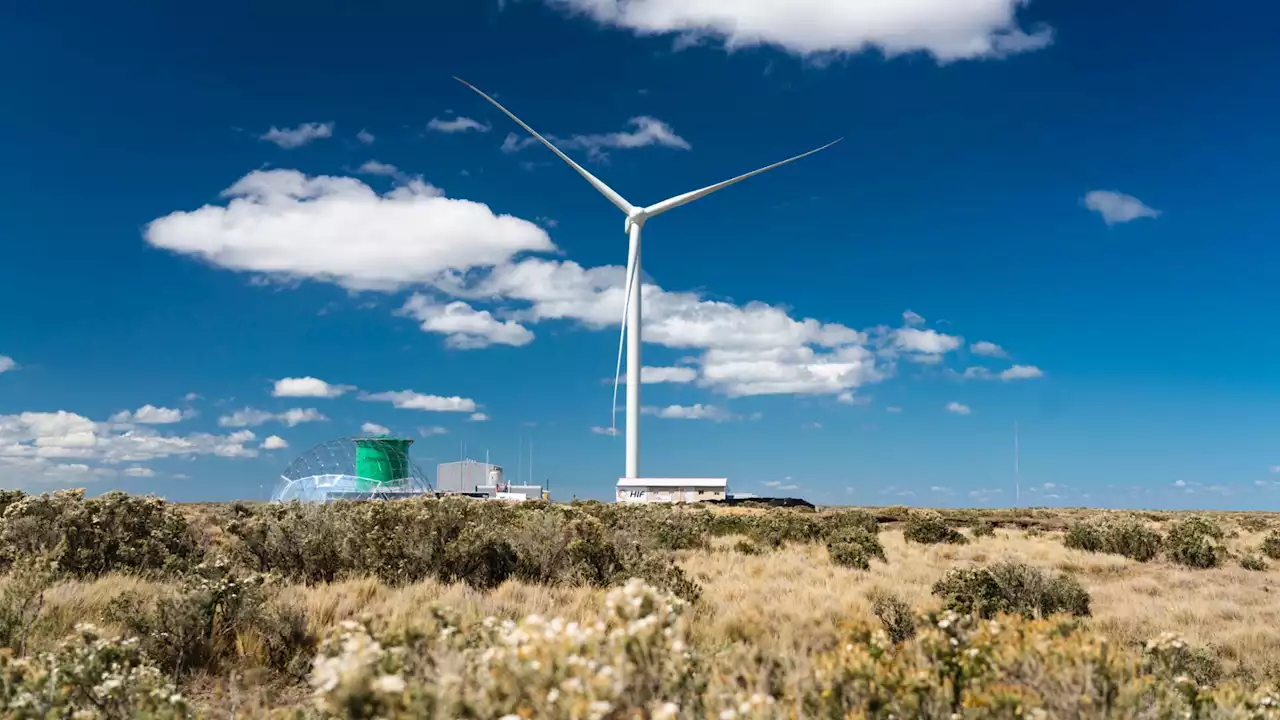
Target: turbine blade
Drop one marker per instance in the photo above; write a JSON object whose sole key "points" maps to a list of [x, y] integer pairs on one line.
{"points": [[626, 306], [677, 201], [605, 190]]}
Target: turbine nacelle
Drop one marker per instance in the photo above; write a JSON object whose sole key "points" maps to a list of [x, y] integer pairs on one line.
{"points": [[635, 217]]}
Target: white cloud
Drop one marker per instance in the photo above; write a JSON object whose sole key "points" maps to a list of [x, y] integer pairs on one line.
{"points": [[33, 444], [464, 327], [478, 417], [988, 349], [958, 408], [290, 138], [373, 167], [410, 400], [337, 229], [456, 125], [251, 417], [912, 318], [652, 375], [604, 430], [374, 429], [645, 132], [431, 431], [1179, 483], [1022, 372], [788, 487], [365, 137], [925, 342], [976, 373], [274, 442], [148, 415], [1116, 207], [848, 398], [942, 490], [191, 397], [946, 29], [7, 363], [893, 409], [138, 471], [308, 387], [690, 412]]}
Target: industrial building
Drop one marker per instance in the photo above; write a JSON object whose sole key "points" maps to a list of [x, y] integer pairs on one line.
{"points": [[482, 480], [672, 490]]}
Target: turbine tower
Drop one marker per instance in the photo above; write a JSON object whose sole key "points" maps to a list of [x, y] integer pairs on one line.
{"points": [[631, 307]]}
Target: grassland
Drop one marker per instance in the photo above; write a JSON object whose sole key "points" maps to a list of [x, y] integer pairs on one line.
{"points": [[380, 610]]}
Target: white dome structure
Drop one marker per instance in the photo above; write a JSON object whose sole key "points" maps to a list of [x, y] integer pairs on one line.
{"points": [[353, 468]]}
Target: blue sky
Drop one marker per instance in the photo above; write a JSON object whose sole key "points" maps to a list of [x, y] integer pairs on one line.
{"points": [[197, 204]]}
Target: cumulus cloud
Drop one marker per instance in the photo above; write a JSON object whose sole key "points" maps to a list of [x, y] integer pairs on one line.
{"points": [[1116, 207], [65, 447], [1022, 372], [374, 167], [274, 442], [457, 125], [912, 318], [988, 349], [138, 471], [7, 363], [958, 408], [289, 138], [653, 375], [431, 431], [604, 430], [365, 137], [410, 400], [478, 417], [690, 412], [946, 29], [645, 132], [463, 326], [374, 429], [148, 415], [251, 417], [308, 387], [337, 229]]}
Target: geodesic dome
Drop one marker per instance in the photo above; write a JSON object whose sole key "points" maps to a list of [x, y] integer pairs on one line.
{"points": [[355, 468]]}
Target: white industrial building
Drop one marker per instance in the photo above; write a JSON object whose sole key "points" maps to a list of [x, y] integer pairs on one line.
{"points": [[481, 479], [671, 490]]}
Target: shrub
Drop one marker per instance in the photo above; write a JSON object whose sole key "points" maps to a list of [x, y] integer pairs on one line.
{"points": [[21, 598], [849, 555], [984, 528], [1011, 587], [1123, 535], [88, 676], [1271, 545], [115, 532], [775, 529], [215, 615], [838, 522], [928, 527], [894, 614], [1253, 523], [1253, 562], [1196, 543], [746, 547]]}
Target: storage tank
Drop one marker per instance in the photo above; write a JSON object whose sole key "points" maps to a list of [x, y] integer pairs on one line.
{"points": [[381, 462]]}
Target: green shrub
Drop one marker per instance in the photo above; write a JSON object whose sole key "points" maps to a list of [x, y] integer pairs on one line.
{"points": [[1195, 542], [894, 614], [775, 529], [1123, 535], [1011, 587], [869, 542], [984, 528], [746, 547], [840, 521], [928, 527], [204, 624], [21, 598], [849, 555], [115, 532], [1253, 523], [1271, 545], [1253, 562]]}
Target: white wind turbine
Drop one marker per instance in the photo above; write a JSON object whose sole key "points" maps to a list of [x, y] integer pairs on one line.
{"points": [[636, 217]]}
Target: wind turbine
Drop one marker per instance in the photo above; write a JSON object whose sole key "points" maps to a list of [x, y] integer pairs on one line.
{"points": [[636, 217]]}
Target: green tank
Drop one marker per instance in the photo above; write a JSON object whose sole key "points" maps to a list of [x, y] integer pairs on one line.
{"points": [[381, 462]]}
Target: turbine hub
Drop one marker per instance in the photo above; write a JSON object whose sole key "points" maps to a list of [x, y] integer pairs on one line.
{"points": [[637, 217]]}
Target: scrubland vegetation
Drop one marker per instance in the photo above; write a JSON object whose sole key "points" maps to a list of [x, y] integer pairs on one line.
{"points": [[128, 607]]}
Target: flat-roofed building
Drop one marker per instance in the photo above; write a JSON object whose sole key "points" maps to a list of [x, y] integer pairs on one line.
{"points": [[671, 490]]}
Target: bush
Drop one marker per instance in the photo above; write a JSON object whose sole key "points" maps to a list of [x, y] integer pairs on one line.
{"points": [[1123, 535], [88, 676], [1253, 523], [21, 598], [849, 555], [894, 614], [115, 532], [1011, 587], [928, 527], [746, 547], [1253, 562], [841, 521], [1271, 545], [212, 620], [1196, 542], [984, 528]]}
